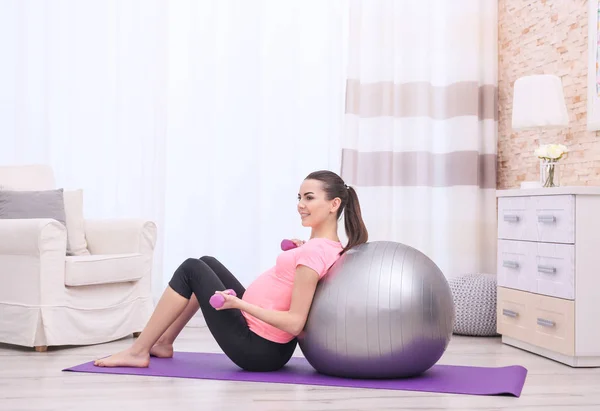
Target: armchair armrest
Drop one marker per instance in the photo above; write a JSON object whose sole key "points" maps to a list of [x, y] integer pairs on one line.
{"points": [[120, 235], [32, 260], [32, 236]]}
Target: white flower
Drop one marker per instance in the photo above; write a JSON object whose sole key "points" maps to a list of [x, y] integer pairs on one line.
{"points": [[551, 151]]}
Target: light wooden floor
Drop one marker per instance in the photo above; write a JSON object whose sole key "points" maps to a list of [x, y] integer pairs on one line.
{"points": [[34, 381]]}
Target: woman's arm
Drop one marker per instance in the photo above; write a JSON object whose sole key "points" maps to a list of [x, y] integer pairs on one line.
{"points": [[293, 320]]}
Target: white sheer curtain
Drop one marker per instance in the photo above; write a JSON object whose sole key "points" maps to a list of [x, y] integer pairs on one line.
{"points": [[256, 97], [201, 115]]}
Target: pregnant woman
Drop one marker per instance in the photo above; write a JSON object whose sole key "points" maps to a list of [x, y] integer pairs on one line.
{"points": [[255, 327]]}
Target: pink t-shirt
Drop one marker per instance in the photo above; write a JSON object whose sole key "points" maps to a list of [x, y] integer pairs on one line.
{"points": [[272, 290]]}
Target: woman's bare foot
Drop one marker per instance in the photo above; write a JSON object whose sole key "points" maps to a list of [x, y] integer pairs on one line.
{"points": [[127, 358], [162, 350]]}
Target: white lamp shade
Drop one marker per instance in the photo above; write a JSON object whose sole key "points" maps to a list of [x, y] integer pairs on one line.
{"points": [[538, 101]]}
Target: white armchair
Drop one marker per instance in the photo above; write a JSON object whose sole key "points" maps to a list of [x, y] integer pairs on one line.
{"points": [[49, 298]]}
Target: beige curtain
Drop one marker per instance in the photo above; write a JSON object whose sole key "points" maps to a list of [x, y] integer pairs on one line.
{"points": [[420, 131]]}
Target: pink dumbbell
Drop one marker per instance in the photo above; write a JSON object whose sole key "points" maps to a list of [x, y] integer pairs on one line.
{"points": [[218, 300], [287, 245]]}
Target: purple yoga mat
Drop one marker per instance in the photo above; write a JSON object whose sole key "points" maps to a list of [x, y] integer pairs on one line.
{"points": [[440, 378]]}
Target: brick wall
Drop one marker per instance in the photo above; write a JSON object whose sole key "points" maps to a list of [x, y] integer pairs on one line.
{"points": [[545, 37]]}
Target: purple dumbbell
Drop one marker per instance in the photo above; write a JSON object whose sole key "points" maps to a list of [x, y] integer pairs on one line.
{"points": [[218, 300], [287, 245]]}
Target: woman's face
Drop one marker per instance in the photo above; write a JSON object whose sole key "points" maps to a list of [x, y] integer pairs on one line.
{"points": [[313, 206]]}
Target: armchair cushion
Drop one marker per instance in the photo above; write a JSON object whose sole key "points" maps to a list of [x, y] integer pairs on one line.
{"points": [[103, 269], [71, 215], [33, 204]]}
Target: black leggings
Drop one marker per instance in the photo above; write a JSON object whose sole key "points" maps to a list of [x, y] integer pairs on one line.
{"points": [[249, 351]]}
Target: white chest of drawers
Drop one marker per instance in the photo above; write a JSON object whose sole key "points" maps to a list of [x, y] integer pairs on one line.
{"points": [[549, 272]]}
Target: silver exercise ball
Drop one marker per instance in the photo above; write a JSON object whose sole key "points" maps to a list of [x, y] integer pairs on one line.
{"points": [[384, 310]]}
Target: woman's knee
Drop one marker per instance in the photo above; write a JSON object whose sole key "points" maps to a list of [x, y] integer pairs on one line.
{"points": [[189, 268], [209, 259], [180, 282], [190, 263], [187, 274]]}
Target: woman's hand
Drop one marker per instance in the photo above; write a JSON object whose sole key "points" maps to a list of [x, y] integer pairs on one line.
{"points": [[297, 242], [230, 301]]}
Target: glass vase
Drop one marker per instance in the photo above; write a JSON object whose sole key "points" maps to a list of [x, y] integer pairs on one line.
{"points": [[549, 173]]}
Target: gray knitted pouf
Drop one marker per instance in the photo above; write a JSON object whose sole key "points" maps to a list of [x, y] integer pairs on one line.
{"points": [[475, 303]]}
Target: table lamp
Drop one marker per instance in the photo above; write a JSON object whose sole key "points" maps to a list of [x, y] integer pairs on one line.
{"points": [[538, 103]]}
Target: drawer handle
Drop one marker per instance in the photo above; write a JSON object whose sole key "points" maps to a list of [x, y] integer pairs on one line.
{"points": [[510, 313], [511, 217], [546, 269], [545, 323], [546, 218], [510, 264]]}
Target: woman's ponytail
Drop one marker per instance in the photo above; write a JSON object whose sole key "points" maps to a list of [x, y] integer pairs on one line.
{"points": [[355, 227]]}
